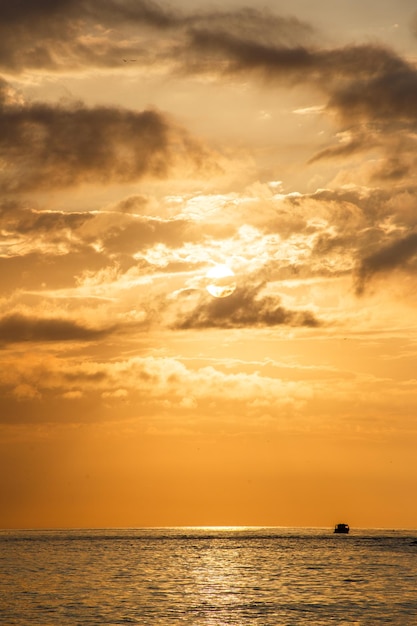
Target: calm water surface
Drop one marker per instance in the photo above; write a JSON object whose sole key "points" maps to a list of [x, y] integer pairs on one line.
{"points": [[208, 577]]}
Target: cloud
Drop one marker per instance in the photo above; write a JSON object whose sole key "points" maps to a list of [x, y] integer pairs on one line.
{"points": [[46, 267], [45, 146], [67, 34], [245, 308], [56, 146], [111, 254], [369, 88], [18, 218], [388, 94], [140, 389], [84, 32], [330, 69], [413, 24], [18, 328], [394, 255], [72, 34], [132, 235], [359, 141]]}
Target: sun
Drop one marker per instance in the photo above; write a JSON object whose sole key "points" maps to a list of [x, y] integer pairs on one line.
{"points": [[220, 281]]}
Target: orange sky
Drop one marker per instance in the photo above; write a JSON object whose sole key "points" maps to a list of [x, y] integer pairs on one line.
{"points": [[142, 144]]}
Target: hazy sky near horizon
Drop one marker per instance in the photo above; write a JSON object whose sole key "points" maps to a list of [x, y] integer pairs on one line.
{"points": [[142, 144]]}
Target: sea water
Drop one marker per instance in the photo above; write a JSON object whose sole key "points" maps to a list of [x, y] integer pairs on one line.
{"points": [[208, 577]]}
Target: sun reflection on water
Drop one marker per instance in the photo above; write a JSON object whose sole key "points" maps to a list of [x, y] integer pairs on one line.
{"points": [[207, 576], [225, 580]]}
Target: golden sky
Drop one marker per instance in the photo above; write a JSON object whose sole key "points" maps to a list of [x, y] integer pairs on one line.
{"points": [[144, 144]]}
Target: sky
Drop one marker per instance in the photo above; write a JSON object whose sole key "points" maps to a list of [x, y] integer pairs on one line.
{"points": [[144, 148]]}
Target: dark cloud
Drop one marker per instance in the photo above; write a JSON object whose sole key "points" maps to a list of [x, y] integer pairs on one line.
{"points": [[55, 146], [70, 34], [53, 34], [136, 11], [237, 56], [106, 11], [328, 68], [245, 308], [371, 89], [252, 25], [18, 328], [366, 78], [393, 255], [27, 10], [20, 219], [388, 95]]}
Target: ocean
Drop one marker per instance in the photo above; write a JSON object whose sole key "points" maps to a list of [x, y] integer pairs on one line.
{"points": [[208, 577]]}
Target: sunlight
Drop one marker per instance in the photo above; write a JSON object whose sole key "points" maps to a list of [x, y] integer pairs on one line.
{"points": [[220, 281]]}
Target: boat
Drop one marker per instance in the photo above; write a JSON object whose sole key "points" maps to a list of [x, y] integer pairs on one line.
{"points": [[341, 529]]}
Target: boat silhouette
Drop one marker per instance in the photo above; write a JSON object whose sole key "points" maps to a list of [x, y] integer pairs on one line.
{"points": [[341, 529]]}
